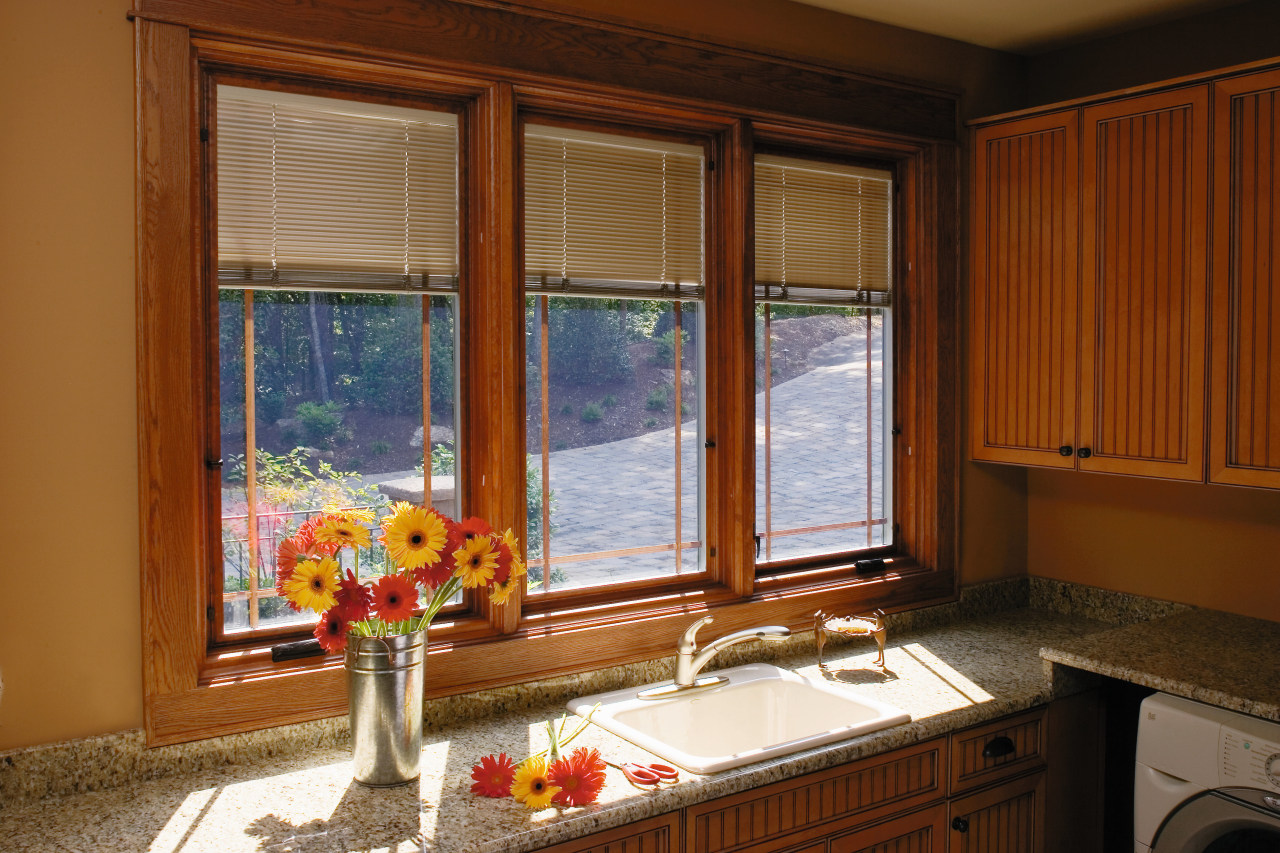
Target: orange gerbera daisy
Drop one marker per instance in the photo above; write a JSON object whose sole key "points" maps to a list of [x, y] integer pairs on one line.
{"points": [[579, 776], [476, 560], [340, 529], [394, 598], [332, 631], [493, 776], [414, 536], [432, 576], [531, 785]]}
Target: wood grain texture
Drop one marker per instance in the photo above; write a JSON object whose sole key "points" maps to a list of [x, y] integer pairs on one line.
{"points": [[1245, 404], [170, 378], [1024, 253], [923, 831], [970, 769], [542, 46], [1008, 818], [804, 809], [655, 835], [1144, 281]]}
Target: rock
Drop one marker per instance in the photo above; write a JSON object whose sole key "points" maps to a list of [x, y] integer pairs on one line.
{"points": [[439, 435], [669, 376], [287, 423]]}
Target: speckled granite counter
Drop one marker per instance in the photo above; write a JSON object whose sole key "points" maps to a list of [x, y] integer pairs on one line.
{"points": [[946, 677], [1218, 658]]}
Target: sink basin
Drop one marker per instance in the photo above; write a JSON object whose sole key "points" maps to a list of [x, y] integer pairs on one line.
{"points": [[762, 712]]}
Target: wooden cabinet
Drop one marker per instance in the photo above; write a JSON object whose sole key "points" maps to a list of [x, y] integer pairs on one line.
{"points": [[923, 831], [656, 835], [1023, 349], [1090, 280], [1245, 409], [1008, 818]]}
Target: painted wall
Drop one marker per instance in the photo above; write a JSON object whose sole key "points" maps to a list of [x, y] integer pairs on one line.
{"points": [[69, 640], [70, 647], [1212, 546]]}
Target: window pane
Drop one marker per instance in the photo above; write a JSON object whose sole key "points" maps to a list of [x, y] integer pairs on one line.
{"points": [[821, 465], [337, 416], [605, 394]]}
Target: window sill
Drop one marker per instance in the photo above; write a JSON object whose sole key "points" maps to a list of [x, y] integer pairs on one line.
{"points": [[243, 690]]}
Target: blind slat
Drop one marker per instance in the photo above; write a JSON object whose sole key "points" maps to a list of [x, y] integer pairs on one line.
{"points": [[325, 193], [823, 232]]}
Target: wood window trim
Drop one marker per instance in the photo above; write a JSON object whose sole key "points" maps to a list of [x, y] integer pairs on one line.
{"points": [[192, 692]]}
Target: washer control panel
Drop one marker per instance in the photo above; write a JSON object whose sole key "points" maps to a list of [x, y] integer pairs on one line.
{"points": [[1250, 754]]}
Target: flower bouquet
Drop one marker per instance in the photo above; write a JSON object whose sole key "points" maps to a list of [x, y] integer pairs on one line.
{"points": [[374, 618]]}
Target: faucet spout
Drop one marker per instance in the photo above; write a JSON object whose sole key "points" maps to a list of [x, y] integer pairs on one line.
{"points": [[690, 660]]}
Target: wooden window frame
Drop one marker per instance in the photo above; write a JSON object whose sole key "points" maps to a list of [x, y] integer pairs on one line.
{"points": [[193, 691]]}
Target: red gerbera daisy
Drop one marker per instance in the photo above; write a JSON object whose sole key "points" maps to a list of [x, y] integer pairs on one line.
{"points": [[579, 776], [433, 576], [503, 570], [394, 598], [354, 598], [493, 776], [464, 530], [307, 535], [332, 631]]}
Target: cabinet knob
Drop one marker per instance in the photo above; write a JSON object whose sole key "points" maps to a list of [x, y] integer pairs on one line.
{"points": [[960, 824], [1065, 450], [1084, 453], [998, 747]]}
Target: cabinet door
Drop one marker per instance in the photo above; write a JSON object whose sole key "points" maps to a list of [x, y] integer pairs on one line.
{"points": [[1008, 818], [920, 832], [1245, 408], [1024, 338], [656, 835], [1144, 279]]}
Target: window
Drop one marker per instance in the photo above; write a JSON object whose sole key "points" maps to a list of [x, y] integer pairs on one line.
{"points": [[614, 272], [420, 225], [337, 259], [823, 358]]}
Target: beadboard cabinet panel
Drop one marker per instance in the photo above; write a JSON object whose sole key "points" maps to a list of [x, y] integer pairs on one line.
{"points": [[920, 832], [1024, 341], [1245, 406], [1144, 282], [655, 835], [1005, 819]]}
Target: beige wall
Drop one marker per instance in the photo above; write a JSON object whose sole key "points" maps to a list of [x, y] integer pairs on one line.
{"points": [[70, 655], [1213, 546], [69, 638]]}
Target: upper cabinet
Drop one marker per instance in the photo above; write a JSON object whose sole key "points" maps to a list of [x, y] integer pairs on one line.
{"points": [[1090, 287], [1245, 431]]}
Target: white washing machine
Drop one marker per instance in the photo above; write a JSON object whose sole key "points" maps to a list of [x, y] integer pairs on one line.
{"points": [[1207, 780]]}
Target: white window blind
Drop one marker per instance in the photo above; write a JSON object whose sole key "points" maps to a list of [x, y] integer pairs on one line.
{"points": [[322, 193], [609, 214], [823, 232]]}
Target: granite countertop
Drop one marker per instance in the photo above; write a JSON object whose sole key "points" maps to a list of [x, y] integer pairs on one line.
{"points": [[946, 677], [1213, 657]]}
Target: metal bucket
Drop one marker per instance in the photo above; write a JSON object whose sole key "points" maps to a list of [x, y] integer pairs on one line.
{"points": [[384, 689]]}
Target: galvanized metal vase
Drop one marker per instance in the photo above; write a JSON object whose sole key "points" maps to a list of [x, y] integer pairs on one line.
{"points": [[384, 688]]}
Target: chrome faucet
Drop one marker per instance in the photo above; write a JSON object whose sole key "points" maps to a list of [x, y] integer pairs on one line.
{"points": [[690, 660]]}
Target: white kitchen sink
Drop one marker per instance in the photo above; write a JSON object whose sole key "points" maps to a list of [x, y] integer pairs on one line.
{"points": [[762, 712]]}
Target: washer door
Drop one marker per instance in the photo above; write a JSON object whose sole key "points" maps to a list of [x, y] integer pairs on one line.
{"points": [[1233, 820]]}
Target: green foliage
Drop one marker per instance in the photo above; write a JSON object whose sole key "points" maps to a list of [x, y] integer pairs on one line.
{"points": [[566, 409], [379, 447], [443, 460], [609, 401], [685, 409], [390, 381], [587, 345], [664, 347], [321, 422], [533, 508], [288, 482], [591, 413], [657, 399], [650, 423]]}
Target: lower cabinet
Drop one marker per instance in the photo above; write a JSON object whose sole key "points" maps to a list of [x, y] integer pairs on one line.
{"points": [[979, 790]]}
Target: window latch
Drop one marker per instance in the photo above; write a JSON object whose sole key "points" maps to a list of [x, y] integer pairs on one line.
{"points": [[211, 463], [756, 536]]}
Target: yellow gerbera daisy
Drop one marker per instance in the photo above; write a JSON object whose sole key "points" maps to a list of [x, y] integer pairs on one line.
{"points": [[414, 537], [476, 560], [531, 786], [314, 584], [342, 529], [517, 565]]}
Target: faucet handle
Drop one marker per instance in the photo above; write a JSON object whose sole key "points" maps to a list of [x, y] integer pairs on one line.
{"points": [[688, 642]]}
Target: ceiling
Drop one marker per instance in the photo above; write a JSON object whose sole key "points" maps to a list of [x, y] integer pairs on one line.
{"points": [[1020, 26]]}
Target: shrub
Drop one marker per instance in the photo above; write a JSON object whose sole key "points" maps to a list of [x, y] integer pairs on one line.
{"points": [[664, 347], [657, 399], [609, 401], [566, 409], [591, 413], [650, 423], [320, 422], [587, 347], [378, 447]]}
